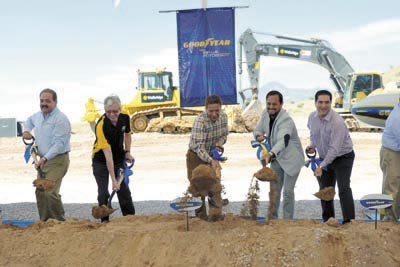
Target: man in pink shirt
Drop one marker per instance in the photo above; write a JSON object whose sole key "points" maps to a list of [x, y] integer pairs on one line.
{"points": [[330, 137]]}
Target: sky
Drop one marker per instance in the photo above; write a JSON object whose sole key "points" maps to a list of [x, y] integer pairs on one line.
{"points": [[84, 48]]}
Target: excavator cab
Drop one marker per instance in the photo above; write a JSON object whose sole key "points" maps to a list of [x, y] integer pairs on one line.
{"points": [[360, 85]]}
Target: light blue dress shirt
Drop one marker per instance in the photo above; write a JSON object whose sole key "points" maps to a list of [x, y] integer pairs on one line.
{"points": [[52, 134], [391, 133]]}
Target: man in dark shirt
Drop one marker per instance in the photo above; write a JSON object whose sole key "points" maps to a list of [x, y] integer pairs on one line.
{"points": [[113, 133]]}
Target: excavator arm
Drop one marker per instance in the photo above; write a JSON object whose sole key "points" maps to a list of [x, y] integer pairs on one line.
{"points": [[314, 51]]}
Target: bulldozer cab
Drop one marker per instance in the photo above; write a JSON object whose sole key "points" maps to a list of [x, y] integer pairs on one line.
{"points": [[360, 85], [156, 81]]}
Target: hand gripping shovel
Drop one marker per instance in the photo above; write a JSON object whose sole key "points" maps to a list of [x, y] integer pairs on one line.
{"points": [[32, 151], [327, 193], [265, 174], [102, 211]]}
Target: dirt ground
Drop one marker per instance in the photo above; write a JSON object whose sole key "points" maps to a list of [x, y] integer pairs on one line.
{"points": [[163, 241]]}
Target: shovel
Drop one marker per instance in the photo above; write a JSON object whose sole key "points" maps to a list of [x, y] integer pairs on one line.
{"points": [[327, 193], [265, 174], [102, 211], [32, 151]]}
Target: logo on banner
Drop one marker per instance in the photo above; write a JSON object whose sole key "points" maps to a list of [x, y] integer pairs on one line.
{"points": [[206, 43], [288, 52], [152, 97]]}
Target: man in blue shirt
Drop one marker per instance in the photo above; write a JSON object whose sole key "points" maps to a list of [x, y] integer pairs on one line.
{"points": [[390, 163], [52, 132]]}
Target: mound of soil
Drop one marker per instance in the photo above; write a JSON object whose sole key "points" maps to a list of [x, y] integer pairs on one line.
{"points": [[161, 240]]}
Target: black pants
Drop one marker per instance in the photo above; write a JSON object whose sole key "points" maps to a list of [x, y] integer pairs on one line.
{"points": [[101, 174], [339, 170]]}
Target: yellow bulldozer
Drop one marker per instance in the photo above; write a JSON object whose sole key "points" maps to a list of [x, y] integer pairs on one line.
{"points": [[156, 107]]}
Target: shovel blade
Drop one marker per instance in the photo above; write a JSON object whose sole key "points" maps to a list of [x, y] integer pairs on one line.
{"points": [[99, 212]]}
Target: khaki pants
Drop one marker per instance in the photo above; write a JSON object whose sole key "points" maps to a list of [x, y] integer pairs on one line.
{"points": [[390, 166], [192, 161], [49, 202]]}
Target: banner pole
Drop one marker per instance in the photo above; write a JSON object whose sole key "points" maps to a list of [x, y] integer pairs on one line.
{"points": [[204, 4]]}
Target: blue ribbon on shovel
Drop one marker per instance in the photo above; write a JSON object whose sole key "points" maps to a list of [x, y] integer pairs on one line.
{"points": [[313, 162], [126, 171], [30, 149], [262, 147], [217, 153]]}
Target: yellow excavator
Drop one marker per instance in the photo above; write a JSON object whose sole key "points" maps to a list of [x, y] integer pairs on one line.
{"points": [[156, 107]]}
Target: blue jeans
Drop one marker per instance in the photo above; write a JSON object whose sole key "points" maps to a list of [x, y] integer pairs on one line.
{"points": [[287, 183]]}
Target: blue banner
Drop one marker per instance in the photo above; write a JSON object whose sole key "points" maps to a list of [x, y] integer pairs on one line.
{"points": [[206, 50]]}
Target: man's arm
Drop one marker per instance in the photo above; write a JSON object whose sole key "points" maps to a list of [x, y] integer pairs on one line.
{"points": [[28, 127], [61, 135], [259, 130], [128, 142], [284, 131], [338, 134], [110, 167], [199, 137], [224, 131]]}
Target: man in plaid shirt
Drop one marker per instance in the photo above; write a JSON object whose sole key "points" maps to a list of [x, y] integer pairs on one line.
{"points": [[210, 129]]}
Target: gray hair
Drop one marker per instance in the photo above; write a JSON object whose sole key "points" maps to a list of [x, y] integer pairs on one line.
{"points": [[110, 100]]}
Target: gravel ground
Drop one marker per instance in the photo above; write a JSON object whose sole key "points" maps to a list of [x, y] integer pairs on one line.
{"points": [[28, 211]]}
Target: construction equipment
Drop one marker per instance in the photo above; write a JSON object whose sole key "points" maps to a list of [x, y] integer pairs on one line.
{"points": [[156, 107], [350, 86]]}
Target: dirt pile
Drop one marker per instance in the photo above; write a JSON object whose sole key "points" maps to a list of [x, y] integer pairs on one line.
{"points": [[162, 241]]}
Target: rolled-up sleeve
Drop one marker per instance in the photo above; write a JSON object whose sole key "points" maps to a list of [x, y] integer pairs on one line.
{"points": [[224, 130], [199, 136]]}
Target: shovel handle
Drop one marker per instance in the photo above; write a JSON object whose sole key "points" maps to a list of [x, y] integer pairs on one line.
{"points": [[121, 178], [27, 143]]}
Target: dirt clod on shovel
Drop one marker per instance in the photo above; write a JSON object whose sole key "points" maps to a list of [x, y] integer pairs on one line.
{"points": [[327, 193], [204, 181], [44, 184], [266, 174], [102, 211]]}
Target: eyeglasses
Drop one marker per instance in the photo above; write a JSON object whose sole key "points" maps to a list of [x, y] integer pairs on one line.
{"points": [[112, 111]]}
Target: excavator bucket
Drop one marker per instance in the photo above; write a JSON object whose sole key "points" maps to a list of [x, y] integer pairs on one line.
{"points": [[252, 113]]}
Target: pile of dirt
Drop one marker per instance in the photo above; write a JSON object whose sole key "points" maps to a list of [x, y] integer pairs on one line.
{"points": [[161, 240]]}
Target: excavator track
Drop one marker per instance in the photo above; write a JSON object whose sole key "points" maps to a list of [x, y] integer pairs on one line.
{"points": [[167, 119], [356, 126]]}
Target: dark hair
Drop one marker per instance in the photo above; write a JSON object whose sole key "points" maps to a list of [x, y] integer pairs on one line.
{"points": [[51, 91], [274, 92], [323, 92], [213, 99]]}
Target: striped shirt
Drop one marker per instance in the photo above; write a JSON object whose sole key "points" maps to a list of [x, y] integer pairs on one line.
{"points": [[206, 134], [330, 136]]}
